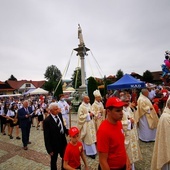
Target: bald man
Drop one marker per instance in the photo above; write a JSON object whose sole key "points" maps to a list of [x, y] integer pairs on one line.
{"points": [[146, 117], [87, 127]]}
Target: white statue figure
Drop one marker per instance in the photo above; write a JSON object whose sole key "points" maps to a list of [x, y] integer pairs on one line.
{"points": [[80, 35]]}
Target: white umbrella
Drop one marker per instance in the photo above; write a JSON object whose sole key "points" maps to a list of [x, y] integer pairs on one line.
{"points": [[39, 91], [69, 89]]}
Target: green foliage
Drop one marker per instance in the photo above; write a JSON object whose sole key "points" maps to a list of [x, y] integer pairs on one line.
{"points": [[76, 78], [50, 85], [119, 74], [92, 86], [147, 76], [12, 78], [106, 82], [52, 73]]}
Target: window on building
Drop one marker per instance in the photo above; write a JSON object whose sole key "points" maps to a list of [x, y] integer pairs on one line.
{"points": [[27, 85]]}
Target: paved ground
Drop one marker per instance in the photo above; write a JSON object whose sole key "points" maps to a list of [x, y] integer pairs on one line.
{"points": [[13, 157]]}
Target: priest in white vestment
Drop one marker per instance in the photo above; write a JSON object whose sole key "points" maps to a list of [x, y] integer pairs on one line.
{"points": [[161, 152], [98, 109], [131, 136], [86, 126], [146, 117]]}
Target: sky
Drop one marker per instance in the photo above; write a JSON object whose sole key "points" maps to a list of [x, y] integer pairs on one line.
{"points": [[131, 35]]}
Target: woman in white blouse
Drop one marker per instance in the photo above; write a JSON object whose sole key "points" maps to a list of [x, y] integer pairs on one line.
{"points": [[12, 116]]}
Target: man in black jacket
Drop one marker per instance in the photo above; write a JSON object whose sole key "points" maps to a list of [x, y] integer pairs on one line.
{"points": [[55, 134]]}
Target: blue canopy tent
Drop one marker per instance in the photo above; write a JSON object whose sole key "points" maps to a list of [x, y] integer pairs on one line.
{"points": [[126, 82]]}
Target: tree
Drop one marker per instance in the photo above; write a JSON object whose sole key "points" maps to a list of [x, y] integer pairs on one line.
{"points": [[106, 82], [50, 86], [53, 73], [147, 76], [76, 78], [12, 78], [119, 74], [92, 86]]}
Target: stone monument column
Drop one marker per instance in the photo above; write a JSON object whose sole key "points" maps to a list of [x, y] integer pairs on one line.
{"points": [[83, 74], [81, 51]]}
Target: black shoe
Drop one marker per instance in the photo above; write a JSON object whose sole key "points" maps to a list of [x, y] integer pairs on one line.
{"points": [[147, 141], [10, 137], [92, 156], [18, 138], [4, 133], [25, 148], [29, 142]]}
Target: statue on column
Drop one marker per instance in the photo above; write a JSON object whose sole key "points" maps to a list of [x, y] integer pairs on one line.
{"points": [[80, 36]]}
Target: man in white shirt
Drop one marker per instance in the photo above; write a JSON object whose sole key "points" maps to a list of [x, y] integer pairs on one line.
{"points": [[65, 108]]}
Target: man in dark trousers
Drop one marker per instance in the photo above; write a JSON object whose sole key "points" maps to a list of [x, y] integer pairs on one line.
{"points": [[24, 116], [55, 134]]}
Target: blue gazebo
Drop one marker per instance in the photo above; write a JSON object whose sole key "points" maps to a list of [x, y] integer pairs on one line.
{"points": [[126, 82]]}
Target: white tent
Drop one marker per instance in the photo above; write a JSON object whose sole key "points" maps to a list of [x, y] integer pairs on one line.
{"points": [[29, 91], [10, 95], [38, 91], [69, 89]]}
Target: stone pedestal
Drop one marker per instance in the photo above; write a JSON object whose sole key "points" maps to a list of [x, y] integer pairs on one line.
{"points": [[81, 51], [82, 91]]}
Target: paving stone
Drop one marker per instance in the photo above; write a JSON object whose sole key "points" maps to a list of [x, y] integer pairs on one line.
{"points": [[13, 157], [18, 162], [2, 153]]}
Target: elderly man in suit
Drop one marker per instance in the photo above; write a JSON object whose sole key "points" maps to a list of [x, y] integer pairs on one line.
{"points": [[55, 134], [24, 116]]}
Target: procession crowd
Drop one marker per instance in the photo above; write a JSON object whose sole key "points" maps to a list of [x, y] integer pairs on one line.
{"points": [[110, 127]]}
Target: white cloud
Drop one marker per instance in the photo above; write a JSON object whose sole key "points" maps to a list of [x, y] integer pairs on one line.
{"points": [[127, 35]]}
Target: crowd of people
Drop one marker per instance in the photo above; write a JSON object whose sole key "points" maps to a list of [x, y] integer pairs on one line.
{"points": [[110, 128], [11, 112]]}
